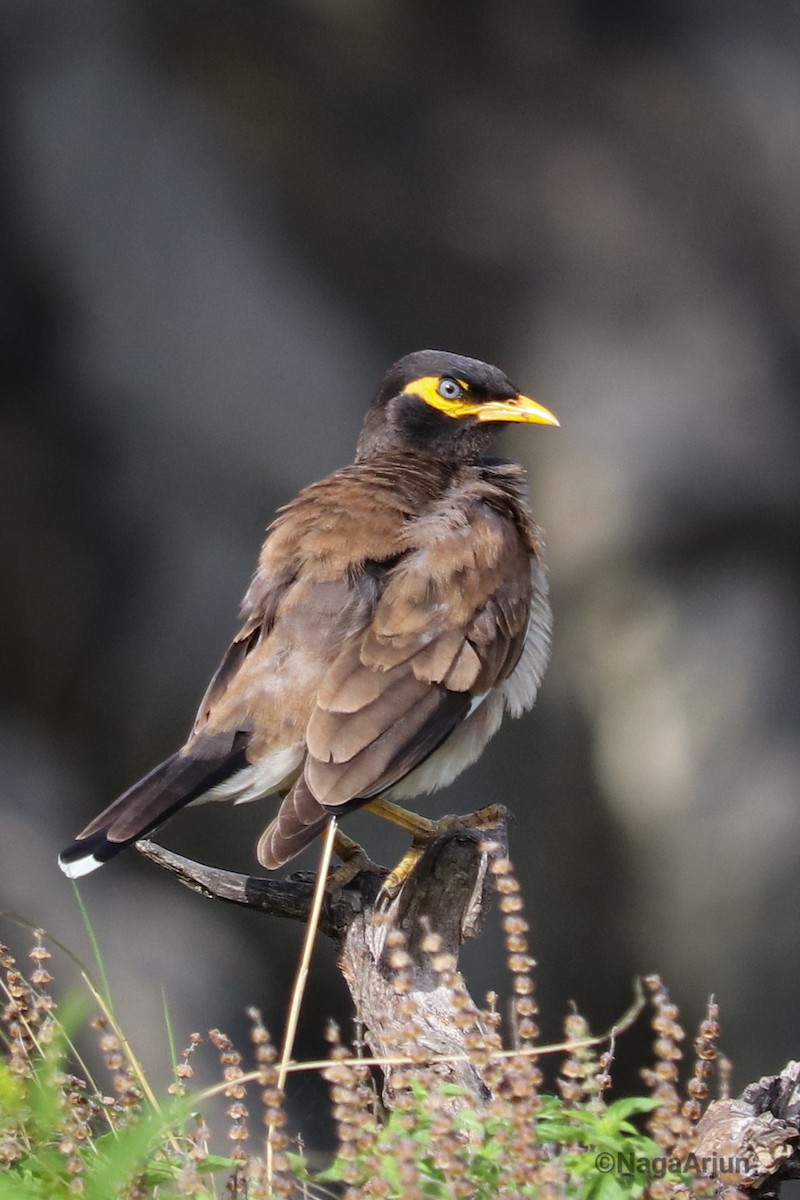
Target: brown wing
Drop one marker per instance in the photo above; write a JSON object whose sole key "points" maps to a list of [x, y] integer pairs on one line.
{"points": [[314, 567], [259, 609], [448, 626]]}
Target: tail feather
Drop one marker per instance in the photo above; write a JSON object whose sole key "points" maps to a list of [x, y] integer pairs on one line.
{"points": [[169, 787], [300, 819]]}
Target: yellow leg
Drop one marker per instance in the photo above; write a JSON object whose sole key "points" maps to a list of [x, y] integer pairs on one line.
{"points": [[346, 848], [354, 860], [411, 822], [424, 831], [396, 878]]}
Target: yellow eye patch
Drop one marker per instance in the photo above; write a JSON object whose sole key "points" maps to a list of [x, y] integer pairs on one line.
{"points": [[427, 389], [510, 408]]}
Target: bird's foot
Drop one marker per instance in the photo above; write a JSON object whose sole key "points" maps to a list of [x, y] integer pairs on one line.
{"points": [[425, 831], [355, 860]]}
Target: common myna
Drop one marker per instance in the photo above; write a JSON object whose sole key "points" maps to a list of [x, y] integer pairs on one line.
{"points": [[398, 609]]}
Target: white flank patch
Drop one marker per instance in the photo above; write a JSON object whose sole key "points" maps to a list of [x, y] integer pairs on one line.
{"points": [[463, 747], [477, 701], [80, 866], [260, 779]]}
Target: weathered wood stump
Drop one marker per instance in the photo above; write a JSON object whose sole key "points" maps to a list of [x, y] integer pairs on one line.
{"points": [[443, 902], [752, 1143], [748, 1146]]}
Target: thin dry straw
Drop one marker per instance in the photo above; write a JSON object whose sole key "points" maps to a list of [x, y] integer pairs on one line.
{"points": [[625, 1021], [302, 971]]}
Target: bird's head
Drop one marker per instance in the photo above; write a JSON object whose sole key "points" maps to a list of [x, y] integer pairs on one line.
{"points": [[444, 404]]}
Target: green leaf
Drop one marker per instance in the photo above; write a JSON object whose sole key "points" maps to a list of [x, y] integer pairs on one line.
{"points": [[12, 1093], [627, 1106]]}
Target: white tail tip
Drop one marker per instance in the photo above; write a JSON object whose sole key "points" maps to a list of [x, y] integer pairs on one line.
{"points": [[79, 866]]}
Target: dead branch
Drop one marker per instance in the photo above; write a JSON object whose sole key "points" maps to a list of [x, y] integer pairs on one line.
{"points": [[447, 895]]}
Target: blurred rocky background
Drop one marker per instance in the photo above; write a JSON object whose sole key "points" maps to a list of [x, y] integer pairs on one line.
{"points": [[220, 221]]}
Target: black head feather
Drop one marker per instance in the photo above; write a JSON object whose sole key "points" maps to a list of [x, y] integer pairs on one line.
{"points": [[397, 420]]}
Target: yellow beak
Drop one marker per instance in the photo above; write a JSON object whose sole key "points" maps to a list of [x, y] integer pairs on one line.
{"points": [[515, 408]]}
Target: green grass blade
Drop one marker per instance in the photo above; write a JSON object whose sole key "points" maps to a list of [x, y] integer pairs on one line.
{"points": [[96, 953]]}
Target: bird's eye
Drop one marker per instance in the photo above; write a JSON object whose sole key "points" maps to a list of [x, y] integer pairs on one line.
{"points": [[450, 389]]}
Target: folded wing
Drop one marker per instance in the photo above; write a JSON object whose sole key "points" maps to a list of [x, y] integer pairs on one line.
{"points": [[448, 627]]}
